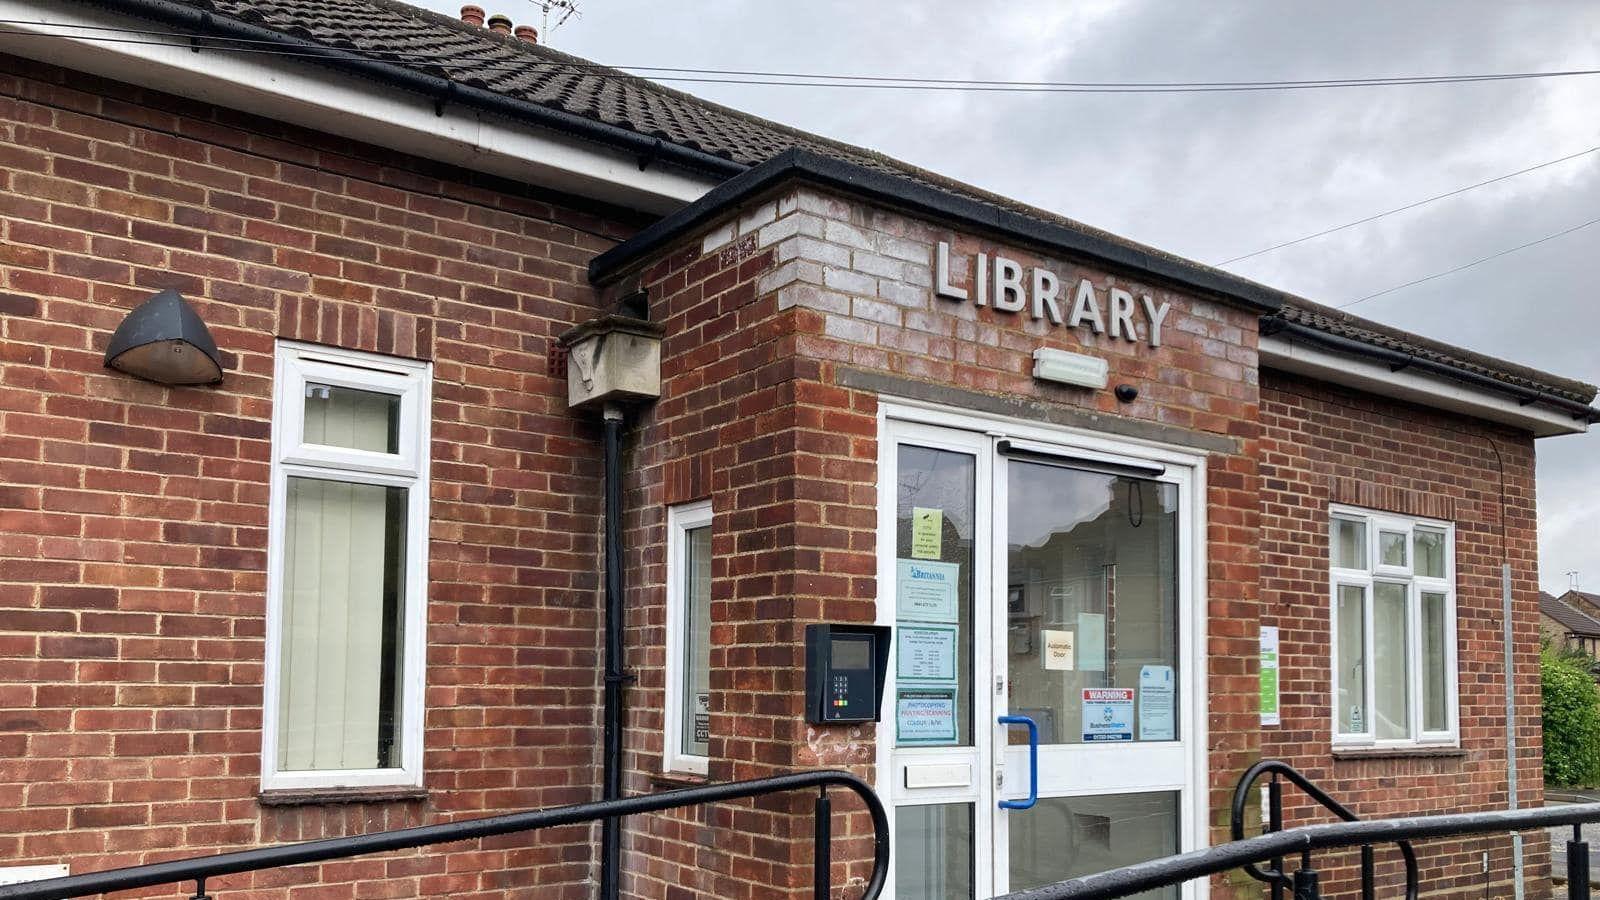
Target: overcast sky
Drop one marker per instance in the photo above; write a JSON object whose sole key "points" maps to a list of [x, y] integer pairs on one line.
{"points": [[1211, 176]]}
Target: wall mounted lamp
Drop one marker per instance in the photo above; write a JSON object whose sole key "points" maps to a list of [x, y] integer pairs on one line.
{"points": [[164, 340]]}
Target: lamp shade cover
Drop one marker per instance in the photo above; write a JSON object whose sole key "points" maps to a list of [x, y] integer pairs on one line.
{"points": [[164, 340]]}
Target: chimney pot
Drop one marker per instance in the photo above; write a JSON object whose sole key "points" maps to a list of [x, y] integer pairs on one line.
{"points": [[527, 33], [472, 15], [500, 23]]}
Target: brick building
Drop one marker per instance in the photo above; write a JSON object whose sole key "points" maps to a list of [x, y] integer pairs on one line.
{"points": [[358, 584]]}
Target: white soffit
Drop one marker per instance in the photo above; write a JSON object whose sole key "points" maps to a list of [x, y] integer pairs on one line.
{"points": [[323, 99], [1422, 388]]}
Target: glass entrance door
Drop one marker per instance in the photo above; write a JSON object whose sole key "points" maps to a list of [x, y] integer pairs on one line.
{"points": [[1088, 646], [1041, 598]]}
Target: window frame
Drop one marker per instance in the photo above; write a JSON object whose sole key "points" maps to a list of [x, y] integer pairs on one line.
{"points": [[296, 364], [681, 519], [1375, 522]]}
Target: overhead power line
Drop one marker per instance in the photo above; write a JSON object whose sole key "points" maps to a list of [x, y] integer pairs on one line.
{"points": [[267, 47], [1412, 205], [1476, 262]]}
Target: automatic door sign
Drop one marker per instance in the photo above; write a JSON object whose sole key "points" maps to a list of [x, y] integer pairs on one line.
{"points": [[1107, 714]]}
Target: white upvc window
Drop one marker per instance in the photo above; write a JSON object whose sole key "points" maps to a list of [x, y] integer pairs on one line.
{"points": [[346, 571], [687, 709], [1393, 626]]}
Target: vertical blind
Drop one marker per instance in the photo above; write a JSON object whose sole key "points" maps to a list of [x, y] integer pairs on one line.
{"points": [[339, 694]]}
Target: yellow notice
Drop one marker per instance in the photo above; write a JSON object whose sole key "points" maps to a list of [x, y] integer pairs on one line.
{"points": [[1058, 650], [927, 532]]}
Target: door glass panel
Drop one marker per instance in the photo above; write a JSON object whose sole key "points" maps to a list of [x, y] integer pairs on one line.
{"points": [[934, 523], [1092, 605], [933, 852], [1065, 837], [1435, 717], [1351, 674], [1390, 648]]}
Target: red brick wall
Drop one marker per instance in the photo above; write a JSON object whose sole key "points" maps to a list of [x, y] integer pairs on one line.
{"points": [[133, 518], [1322, 444]]}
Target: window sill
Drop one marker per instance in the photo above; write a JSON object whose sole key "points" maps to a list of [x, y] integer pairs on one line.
{"points": [[322, 796], [678, 779], [1422, 751]]}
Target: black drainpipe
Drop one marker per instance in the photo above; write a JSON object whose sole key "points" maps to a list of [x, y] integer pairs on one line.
{"points": [[611, 785]]}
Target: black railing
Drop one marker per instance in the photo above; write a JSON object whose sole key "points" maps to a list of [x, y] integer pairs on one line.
{"points": [[1173, 870], [1275, 769], [207, 868]]}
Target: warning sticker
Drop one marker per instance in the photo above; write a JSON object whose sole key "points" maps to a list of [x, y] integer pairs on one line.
{"points": [[1107, 714]]}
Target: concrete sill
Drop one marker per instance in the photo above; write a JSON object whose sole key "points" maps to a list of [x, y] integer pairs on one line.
{"points": [[677, 780], [1341, 753], [322, 796]]}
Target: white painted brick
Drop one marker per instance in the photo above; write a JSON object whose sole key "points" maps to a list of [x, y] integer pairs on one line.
{"points": [[906, 295], [787, 227], [873, 264], [922, 276], [803, 247], [761, 215], [900, 248], [847, 329], [931, 322], [875, 311], [850, 236], [812, 297], [827, 207], [718, 238], [851, 282], [795, 270]]}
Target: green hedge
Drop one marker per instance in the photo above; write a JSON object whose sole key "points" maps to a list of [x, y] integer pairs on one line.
{"points": [[1571, 720]]}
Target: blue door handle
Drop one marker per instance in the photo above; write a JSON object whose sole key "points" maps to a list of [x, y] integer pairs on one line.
{"points": [[1033, 763]]}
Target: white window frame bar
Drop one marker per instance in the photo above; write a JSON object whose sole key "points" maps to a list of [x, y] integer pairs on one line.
{"points": [[681, 519], [1416, 585], [294, 365]]}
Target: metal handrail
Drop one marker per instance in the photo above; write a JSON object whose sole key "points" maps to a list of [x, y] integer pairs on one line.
{"points": [[1276, 876], [200, 869], [1171, 870]]}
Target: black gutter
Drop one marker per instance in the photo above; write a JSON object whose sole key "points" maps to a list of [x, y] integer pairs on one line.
{"points": [[1275, 326], [611, 780], [902, 192], [439, 89]]}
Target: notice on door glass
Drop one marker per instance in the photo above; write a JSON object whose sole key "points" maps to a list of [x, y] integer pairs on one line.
{"points": [[1058, 650], [927, 591], [925, 716], [1157, 692], [925, 653], [927, 532], [1107, 714]]}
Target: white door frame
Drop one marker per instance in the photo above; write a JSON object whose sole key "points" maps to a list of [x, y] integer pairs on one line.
{"points": [[966, 431]]}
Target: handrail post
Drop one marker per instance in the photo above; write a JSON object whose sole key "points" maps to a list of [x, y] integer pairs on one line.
{"points": [[1305, 880], [1274, 824], [1367, 873], [822, 855], [1577, 866]]}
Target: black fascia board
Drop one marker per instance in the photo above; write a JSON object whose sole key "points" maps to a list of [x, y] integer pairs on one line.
{"points": [[1582, 412], [903, 193], [439, 89]]}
